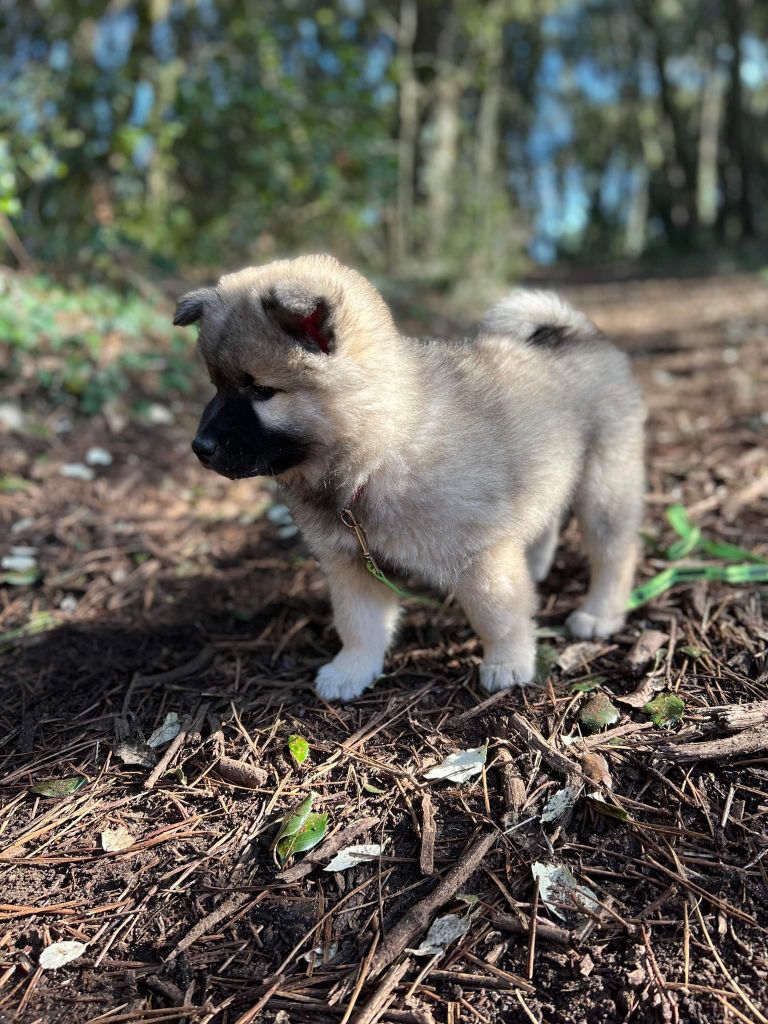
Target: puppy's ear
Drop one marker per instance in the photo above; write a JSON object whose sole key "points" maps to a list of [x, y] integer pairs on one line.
{"points": [[303, 315], [190, 307]]}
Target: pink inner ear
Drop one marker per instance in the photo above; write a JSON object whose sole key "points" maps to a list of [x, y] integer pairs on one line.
{"points": [[311, 326]]}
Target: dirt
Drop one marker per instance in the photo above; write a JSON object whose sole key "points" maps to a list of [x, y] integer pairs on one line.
{"points": [[155, 562]]}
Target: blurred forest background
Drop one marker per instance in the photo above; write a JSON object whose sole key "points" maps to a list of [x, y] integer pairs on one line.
{"points": [[432, 136], [446, 147]]}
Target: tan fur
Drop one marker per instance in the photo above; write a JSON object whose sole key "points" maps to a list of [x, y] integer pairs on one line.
{"points": [[460, 458]]}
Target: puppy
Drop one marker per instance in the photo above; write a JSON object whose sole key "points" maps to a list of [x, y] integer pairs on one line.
{"points": [[455, 460]]}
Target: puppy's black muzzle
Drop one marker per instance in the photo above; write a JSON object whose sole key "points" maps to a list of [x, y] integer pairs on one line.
{"points": [[232, 441]]}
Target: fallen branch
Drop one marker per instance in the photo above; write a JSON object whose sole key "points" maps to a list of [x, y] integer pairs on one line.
{"points": [[512, 784], [331, 846], [208, 923], [734, 717], [419, 916], [746, 742], [376, 1005]]}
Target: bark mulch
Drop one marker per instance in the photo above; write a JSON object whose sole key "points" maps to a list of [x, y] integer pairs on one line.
{"points": [[165, 589]]}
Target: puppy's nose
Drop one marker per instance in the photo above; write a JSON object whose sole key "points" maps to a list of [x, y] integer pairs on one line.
{"points": [[204, 449]]}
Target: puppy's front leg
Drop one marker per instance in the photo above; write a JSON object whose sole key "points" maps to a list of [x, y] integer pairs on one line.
{"points": [[365, 613], [498, 597]]}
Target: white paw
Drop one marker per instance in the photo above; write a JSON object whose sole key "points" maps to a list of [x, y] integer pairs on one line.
{"points": [[501, 675], [586, 626], [348, 675]]}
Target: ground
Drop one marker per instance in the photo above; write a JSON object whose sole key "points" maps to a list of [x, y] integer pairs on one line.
{"points": [[172, 590]]}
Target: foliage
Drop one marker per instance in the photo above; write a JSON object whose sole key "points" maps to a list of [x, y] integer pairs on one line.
{"points": [[85, 348], [448, 137]]}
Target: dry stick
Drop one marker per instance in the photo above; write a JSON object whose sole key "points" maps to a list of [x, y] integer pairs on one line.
{"points": [[376, 1005], [478, 709], [209, 922], [417, 918], [361, 978], [189, 728], [557, 762], [512, 784], [735, 717], [428, 834], [544, 929], [331, 846], [200, 662], [532, 931], [746, 742], [249, 776]]}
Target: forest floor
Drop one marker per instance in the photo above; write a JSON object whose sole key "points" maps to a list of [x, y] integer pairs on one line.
{"points": [[166, 589]]}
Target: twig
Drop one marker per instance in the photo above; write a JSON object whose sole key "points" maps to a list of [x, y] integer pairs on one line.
{"points": [[376, 1005], [189, 728], [532, 737], [428, 834], [417, 918], [511, 783], [331, 846], [199, 663], [239, 773], [544, 929]]}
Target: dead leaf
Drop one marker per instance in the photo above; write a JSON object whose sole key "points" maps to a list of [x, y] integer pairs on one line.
{"points": [[60, 953]]}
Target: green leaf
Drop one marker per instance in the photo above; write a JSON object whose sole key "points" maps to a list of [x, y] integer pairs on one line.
{"points": [[587, 685], [666, 709], [609, 810], [599, 712], [58, 787], [299, 748], [692, 652], [546, 659], [370, 788], [294, 820], [308, 835]]}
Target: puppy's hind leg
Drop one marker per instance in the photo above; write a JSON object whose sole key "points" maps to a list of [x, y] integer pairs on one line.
{"points": [[541, 553], [365, 613], [609, 508], [498, 598]]}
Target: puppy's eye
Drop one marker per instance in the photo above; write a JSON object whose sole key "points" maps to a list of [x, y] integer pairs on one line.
{"points": [[260, 392]]}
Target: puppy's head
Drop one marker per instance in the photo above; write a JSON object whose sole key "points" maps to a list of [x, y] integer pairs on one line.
{"points": [[285, 346]]}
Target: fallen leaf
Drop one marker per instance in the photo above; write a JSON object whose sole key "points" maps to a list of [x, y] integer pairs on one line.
{"points": [[595, 767], [460, 766], [98, 457], [77, 471], [559, 804], [309, 835], [370, 788], [579, 655], [644, 692], [60, 953], [443, 932], [692, 651], [546, 659], [113, 840], [665, 710], [558, 886], [59, 787], [351, 856], [599, 712], [608, 809], [18, 563], [136, 752], [164, 733], [587, 685], [299, 748]]}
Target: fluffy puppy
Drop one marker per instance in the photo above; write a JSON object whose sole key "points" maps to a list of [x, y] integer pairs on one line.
{"points": [[457, 458]]}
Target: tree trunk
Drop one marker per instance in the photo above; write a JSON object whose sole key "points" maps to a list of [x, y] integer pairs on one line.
{"points": [[488, 195], [709, 135], [445, 124], [407, 135], [738, 167]]}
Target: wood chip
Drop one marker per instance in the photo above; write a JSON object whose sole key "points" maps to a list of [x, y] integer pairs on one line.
{"points": [[428, 834]]}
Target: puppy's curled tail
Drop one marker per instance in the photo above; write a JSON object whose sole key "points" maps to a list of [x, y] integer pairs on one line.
{"points": [[540, 317]]}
